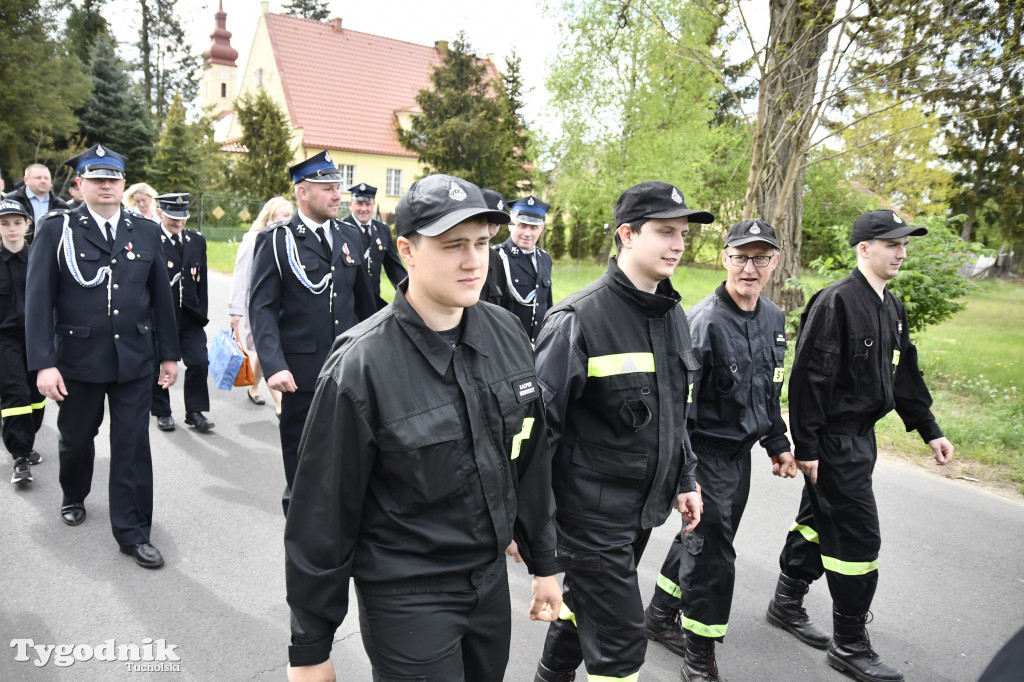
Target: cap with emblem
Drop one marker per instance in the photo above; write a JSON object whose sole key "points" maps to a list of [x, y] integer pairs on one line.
{"points": [[9, 207], [98, 162], [494, 200], [437, 203], [363, 192], [174, 205], [529, 210], [882, 224], [753, 230], [318, 168], [659, 200]]}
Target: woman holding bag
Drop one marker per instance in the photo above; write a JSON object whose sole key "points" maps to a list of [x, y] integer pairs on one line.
{"points": [[275, 210]]}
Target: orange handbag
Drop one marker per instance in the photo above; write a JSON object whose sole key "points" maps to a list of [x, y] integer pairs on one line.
{"points": [[245, 375]]}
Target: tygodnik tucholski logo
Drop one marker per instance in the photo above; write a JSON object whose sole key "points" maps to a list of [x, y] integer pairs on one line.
{"points": [[152, 655]]}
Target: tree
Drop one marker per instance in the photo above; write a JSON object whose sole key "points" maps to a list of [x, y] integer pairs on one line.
{"points": [[469, 126], [166, 59], [42, 84], [518, 159], [116, 114], [266, 134], [85, 23], [316, 10]]}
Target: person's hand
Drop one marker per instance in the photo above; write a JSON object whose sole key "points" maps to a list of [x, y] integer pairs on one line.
{"points": [[234, 321], [321, 672], [942, 450], [168, 373], [809, 468], [51, 384], [689, 505], [513, 551], [283, 381], [547, 598], [784, 465]]}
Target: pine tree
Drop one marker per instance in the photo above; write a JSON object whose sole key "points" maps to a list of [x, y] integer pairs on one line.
{"points": [[174, 167], [308, 9], [266, 134], [167, 62], [85, 23], [115, 113]]}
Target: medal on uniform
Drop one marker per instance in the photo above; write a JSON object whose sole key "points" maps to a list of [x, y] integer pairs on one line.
{"points": [[380, 247], [344, 249], [170, 264]]}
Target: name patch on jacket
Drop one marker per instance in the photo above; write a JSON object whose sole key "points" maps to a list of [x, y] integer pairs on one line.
{"points": [[525, 389], [780, 338]]}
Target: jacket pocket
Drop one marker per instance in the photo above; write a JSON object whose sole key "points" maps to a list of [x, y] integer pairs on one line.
{"points": [[606, 484], [137, 268], [822, 356], [421, 463]]}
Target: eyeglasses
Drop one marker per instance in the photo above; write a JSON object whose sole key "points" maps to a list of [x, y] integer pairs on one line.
{"points": [[740, 261]]}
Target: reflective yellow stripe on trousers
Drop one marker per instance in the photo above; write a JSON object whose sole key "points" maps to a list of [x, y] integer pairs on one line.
{"points": [[620, 363], [698, 628], [24, 409], [669, 586], [809, 533], [848, 567]]}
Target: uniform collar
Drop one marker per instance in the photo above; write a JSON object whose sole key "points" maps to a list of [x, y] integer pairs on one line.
{"points": [[8, 255], [858, 276], [100, 219], [429, 343], [308, 222], [723, 294], [663, 300]]}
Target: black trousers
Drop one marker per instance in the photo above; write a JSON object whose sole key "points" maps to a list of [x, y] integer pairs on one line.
{"points": [[21, 404], [836, 530], [192, 339], [602, 618], [453, 635], [699, 572], [131, 466]]}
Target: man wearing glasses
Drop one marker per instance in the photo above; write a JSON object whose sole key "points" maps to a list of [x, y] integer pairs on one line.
{"points": [[741, 338]]}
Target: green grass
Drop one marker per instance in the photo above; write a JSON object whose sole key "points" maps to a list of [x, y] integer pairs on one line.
{"points": [[220, 256]]}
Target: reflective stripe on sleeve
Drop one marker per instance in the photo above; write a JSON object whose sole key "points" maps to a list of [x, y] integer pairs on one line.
{"points": [[848, 567], [703, 630], [669, 586], [14, 411], [809, 533], [620, 363], [517, 441]]}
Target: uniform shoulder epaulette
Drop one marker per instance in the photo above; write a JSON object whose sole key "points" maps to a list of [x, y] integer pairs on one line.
{"points": [[274, 225], [59, 211]]}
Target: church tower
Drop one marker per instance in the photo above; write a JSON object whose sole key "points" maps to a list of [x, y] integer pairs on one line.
{"points": [[219, 69]]}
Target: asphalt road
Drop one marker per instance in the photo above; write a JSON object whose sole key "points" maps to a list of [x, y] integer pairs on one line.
{"points": [[951, 585]]}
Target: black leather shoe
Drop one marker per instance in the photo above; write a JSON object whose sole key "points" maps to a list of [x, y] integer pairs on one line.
{"points": [[787, 611], [145, 555], [198, 421], [663, 626], [256, 399], [73, 513], [165, 423]]}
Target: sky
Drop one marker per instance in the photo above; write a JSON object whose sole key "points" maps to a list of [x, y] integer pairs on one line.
{"points": [[491, 26]]}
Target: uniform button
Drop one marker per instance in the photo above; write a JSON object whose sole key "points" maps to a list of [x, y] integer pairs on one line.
{"points": [[117, 336], [117, 312], [82, 255], [113, 260], [335, 322], [115, 286], [332, 268], [71, 332]]}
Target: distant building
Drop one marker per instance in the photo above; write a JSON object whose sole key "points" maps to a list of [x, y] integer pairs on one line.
{"points": [[343, 90]]}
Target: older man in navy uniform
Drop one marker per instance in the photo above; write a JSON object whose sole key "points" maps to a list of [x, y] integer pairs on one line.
{"points": [[184, 252], [98, 317], [309, 284], [378, 249], [526, 266]]}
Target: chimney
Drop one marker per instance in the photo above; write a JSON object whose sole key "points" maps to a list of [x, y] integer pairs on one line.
{"points": [[336, 24], [442, 47]]}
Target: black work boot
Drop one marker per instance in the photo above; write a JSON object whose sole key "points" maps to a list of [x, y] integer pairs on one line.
{"points": [[663, 626], [699, 660], [787, 611], [545, 674], [850, 651]]}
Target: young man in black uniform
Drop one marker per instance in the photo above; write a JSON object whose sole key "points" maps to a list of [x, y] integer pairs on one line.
{"points": [[98, 317], [527, 267], [419, 466], [21, 405], [308, 286], [854, 363], [378, 250], [615, 361], [741, 339], [495, 286], [184, 252]]}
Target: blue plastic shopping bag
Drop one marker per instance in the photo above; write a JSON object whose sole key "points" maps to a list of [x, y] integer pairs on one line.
{"points": [[226, 359]]}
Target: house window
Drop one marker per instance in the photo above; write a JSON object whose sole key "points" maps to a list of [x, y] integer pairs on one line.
{"points": [[259, 77], [348, 174], [394, 188], [223, 89]]}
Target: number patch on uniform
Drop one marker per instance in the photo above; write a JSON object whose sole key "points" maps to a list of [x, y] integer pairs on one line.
{"points": [[525, 389], [779, 375], [895, 359]]}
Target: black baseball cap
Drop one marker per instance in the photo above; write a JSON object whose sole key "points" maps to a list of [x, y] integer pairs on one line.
{"points": [[494, 200], [11, 207], [752, 230], [653, 199], [437, 203], [882, 224]]}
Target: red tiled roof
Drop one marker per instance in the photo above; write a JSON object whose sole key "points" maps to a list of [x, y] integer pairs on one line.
{"points": [[343, 88]]}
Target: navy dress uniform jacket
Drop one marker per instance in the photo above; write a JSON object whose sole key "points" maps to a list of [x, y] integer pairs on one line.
{"points": [[68, 325], [524, 278], [191, 291], [293, 328], [379, 252]]}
